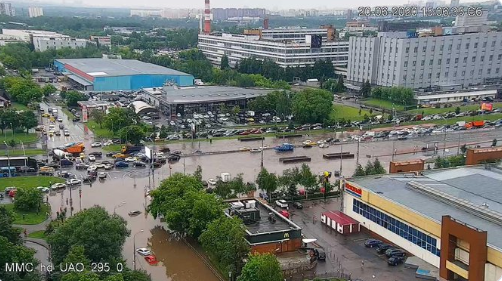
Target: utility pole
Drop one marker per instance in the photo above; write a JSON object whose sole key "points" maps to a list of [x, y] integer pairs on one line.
{"points": [[262, 148], [357, 159], [393, 149], [184, 165], [458, 145], [341, 158], [444, 143], [8, 158]]}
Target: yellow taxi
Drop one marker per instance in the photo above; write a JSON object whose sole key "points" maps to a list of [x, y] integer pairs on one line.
{"points": [[82, 155], [119, 155], [46, 115]]}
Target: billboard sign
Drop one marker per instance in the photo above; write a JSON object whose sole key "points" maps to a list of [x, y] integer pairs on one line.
{"points": [[148, 152], [352, 190], [487, 106], [85, 114]]}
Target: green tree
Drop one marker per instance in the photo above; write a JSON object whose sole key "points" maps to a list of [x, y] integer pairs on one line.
{"points": [[13, 253], [27, 199], [48, 89], [22, 90], [6, 230], [369, 169], [359, 171], [261, 268], [463, 148], [98, 116], [266, 181], [102, 235], [457, 110], [312, 106], [132, 134], [378, 168], [366, 89], [224, 63], [340, 85], [225, 241], [28, 120], [236, 110], [118, 118], [198, 173], [73, 97], [307, 178]]}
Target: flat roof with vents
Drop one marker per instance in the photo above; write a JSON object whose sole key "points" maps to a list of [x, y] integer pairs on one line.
{"points": [[472, 195]]}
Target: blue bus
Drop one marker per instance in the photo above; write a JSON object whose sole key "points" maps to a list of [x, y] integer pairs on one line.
{"points": [[4, 172]]}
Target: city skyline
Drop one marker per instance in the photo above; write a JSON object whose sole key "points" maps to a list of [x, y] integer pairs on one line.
{"points": [[270, 5]]}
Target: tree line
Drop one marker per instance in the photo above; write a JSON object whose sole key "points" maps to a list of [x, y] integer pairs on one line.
{"points": [[23, 90], [374, 168], [17, 120], [398, 95]]}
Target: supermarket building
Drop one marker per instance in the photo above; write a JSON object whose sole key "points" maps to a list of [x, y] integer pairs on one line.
{"points": [[451, 218]]}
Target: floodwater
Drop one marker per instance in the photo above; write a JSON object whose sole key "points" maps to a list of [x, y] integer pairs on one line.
{"points": [[178, 262]]}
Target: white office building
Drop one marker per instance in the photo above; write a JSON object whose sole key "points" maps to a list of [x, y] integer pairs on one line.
{"points": [[43, 40], [393, 59], [7, 9], [286, 47], [34, 12]]}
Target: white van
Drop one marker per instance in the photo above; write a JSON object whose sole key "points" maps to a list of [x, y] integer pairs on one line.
{"points": [[281, 203]]}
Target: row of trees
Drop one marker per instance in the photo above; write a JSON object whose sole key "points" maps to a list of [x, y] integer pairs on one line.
{"points": [[73, 97], [23, 90], [307, 106], [321, 70], [17, 121], [122, 122], [398, 95], [374, 168]]}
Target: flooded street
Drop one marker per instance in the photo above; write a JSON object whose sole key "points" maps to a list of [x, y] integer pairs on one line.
{"points": [[178, 262]]}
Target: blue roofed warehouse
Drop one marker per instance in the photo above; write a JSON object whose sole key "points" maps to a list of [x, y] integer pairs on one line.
{"points": [[95, 74]]}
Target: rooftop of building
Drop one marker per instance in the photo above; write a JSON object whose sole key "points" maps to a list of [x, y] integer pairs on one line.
{"points": [[427, 96], [93, 103], [98, 67], [264, 226], [472, 195], [201, 94]]}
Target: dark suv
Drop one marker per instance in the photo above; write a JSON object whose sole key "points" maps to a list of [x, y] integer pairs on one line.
{"points": [[382, 248], [395, 260], [371, 243], [395, 252]]}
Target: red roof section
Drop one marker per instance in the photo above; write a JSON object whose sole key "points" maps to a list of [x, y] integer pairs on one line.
{"points": [[340, 217]]}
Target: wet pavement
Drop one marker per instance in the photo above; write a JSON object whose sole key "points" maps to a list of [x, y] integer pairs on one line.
{"points": [[178, 261]]}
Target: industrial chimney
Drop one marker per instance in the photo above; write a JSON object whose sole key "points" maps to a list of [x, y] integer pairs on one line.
{"points": [[207, 18]]}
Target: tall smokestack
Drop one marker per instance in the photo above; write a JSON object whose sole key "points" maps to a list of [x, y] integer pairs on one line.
{"points": [[207, 18]]}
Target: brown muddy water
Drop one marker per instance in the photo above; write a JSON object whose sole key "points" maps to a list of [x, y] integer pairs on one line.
{"points": [[178, 261]]}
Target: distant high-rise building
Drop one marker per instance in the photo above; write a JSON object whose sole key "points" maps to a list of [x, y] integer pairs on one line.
{"points": [[34, 12], [7, 9], [455, 3], [471, 20], [350, 15]]}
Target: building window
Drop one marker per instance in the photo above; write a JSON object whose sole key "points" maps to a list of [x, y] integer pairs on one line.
{"points": [[491, 58], [480, 72], [449, 47], [497, 70], [484, 44], [405, 64], [396, 226], [493, 44], [431, 62], [455, 74], [489, 71], [446, 74], [465, 60], [458, 47], [421, 76], [473, 59], [463, 73], [472, 72], [415, 50], [394, 77], [456, 60], [390, 51], [390, 63], [475, 45], [429, 76], [482, 58], [407, 50], [384, 49], [404, 77], [424, 49], [422, 63], [439, 61], [500, 57], [467, 46], [414, 63], [441, 48], [438, 74], [433, 48]]}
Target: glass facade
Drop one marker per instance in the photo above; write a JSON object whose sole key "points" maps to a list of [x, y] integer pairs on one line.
{"points": [[402, 229]]}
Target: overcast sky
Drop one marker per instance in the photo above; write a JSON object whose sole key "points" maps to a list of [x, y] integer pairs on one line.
{"points": [[268, 4]]}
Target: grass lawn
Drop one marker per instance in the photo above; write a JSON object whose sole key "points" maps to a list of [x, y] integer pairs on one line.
{"points": [[20, 152], [113, 148], [431, 111], [68, 113], [18, 106], [347, 113], [18, 137], [99, 132], [28, 181], [30, 218], [38, 235], [383, 104]]}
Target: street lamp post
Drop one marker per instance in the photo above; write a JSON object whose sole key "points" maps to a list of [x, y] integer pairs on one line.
{"points": [[118, 206], [134, 249], [8, 158]]}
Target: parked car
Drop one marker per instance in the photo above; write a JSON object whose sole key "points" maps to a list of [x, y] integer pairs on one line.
{"points": [[320, 254], [43, 189], [382, 248], [139, 164], [284, 213], [134, 213], [395, 252], [96, 144], [73, 182], [58, 186], [395, 260], [96, 153], [211, 182], [108, 166], [143, 251], [281, 203], [65, 162], [371, 243], [66, 133], [298, 205], [92, 158], [121, 164]]}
